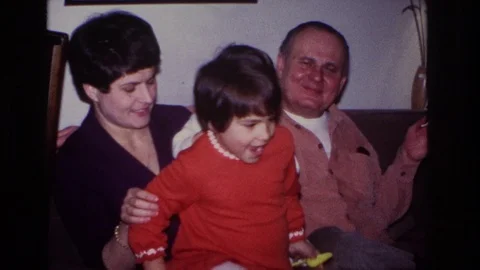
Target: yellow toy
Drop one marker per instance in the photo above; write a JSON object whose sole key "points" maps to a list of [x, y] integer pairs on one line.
{"points": [[313, 262]]}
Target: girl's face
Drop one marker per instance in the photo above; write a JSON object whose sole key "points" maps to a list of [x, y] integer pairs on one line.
{"points": [[247, 137], [129, 102]]}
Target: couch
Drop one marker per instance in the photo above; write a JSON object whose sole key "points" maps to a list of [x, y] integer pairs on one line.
{"points": [[385, 129]]}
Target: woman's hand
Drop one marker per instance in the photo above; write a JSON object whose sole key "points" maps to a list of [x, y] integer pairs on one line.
{"points": [[138, 206]]}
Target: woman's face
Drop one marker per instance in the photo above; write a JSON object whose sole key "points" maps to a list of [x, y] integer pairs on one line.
{"points": [[129, 102]]}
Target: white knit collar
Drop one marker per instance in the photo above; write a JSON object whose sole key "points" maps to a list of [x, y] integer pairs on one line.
{"points": [[218, 147]]}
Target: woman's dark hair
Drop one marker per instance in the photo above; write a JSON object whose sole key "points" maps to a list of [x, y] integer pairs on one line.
{"points": [[240, 81], [109, 46]]}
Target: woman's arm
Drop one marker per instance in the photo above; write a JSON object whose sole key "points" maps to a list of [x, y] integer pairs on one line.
{"points": [[116, 254], [84, 210], [139, 206]]}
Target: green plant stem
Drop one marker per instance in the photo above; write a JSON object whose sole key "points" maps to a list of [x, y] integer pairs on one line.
{"points": [[420, 43], [422, 33]]}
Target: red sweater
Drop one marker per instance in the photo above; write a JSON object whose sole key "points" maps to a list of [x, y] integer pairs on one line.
{"points": [[229, 210]]}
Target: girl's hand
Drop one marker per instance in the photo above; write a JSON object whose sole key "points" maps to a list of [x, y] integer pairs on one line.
{"points": [[302, 249], [305, 255]]}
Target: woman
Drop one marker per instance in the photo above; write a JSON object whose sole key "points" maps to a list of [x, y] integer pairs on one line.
{"points": [[122, 143]]}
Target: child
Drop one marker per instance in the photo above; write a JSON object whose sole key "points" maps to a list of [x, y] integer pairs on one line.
{"points": [[235, 188]]}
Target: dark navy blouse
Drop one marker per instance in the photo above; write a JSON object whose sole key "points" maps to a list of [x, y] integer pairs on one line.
{"points": [[94, 172]]}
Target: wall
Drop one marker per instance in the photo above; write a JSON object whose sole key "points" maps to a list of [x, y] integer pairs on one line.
{"points": [[383, 43]]}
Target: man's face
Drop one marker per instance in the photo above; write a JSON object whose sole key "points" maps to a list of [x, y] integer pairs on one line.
{"points": [[311, 74], [129, 102]]}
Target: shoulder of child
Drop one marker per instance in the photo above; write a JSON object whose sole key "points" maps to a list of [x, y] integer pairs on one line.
{"points": [[284, 134], [198, 148], [284, 137]]}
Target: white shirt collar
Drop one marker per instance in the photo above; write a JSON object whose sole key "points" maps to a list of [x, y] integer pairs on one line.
{"points": [[318, 126], [312, 124]]}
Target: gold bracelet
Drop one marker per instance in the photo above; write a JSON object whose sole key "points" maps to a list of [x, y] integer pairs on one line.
{"points": [[117, 237]]}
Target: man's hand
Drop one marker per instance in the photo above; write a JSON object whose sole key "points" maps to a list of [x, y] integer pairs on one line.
{"points": [[138, 206], [63, 134], [415, 144]]}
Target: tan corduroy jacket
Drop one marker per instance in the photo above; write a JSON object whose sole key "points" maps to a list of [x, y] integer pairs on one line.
{"points": [[348, 190]]}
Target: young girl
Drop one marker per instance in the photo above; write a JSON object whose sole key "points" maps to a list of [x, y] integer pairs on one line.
{"points": [[235, 189]]}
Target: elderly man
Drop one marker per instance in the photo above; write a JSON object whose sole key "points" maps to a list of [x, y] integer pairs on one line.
{"points": [[342, 183], [343, 189]]}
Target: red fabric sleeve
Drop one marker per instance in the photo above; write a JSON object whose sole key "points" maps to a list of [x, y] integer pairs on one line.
{"points": [[295, 215], [175, 192]]}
